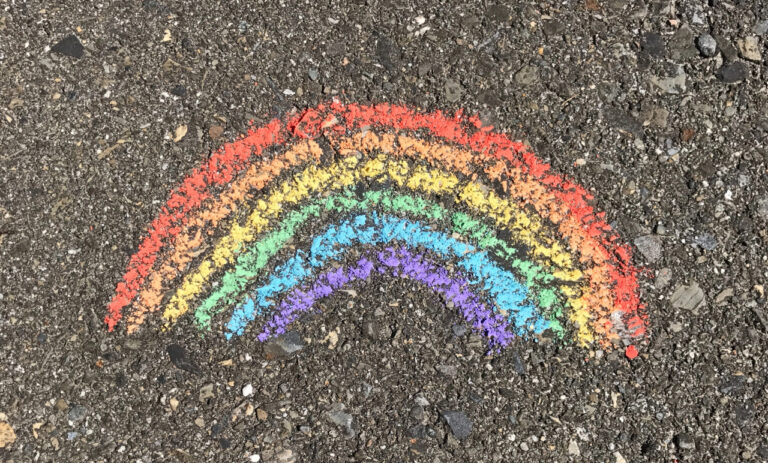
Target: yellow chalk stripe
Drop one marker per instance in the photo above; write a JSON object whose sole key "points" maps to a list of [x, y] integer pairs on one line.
{"points": [[345, 173]]}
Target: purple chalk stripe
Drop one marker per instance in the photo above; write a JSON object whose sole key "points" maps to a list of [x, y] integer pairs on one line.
{"points": [[398, 263]]}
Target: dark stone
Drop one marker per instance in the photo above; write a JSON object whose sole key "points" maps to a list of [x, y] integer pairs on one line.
{"points": [[490, 98], [188, 45], [707, 45], [728, 50], [653, 44], [224, 443], [458, 422], [21, 248], [743, 413], [69, 46], [498, 13], [417, 412], [417, 432], [217, 428], [733, 72], [179, 90], [682, 46], [733, 385], [284, 345], [648, 447], [517, 363], [745, 224], [552, 28], [623, 121], [181, 360], [388, 54], [417, 448]]}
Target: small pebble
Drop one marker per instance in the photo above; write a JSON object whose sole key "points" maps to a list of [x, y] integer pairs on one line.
{"points": [[707, 45], [749, 48], [458, 422], [453, 91], [650, 246], [215, 131], [77, 414], [688, 297], [527, 75], [685, 441], [179, 90], [7, 434], [206, 392], [733, 72], [761, 27], [573, 448], [61, 405], [69, 46], [339, 417], [284, 345], [180, 359]]}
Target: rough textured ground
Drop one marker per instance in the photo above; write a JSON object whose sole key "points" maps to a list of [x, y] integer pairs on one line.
{"points": [[616, 93]]}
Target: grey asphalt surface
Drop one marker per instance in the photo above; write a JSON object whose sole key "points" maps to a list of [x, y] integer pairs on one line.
{"points": [[658, 106]]}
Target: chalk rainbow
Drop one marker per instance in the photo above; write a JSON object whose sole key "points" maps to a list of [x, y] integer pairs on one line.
{"points": [[385, 192]]}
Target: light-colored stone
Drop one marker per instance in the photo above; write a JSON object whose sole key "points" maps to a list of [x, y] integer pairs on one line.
{"points": [[7, 435], [650, 246], [688, 297], [674, 84], [573, 448], [749, 48], [206, 392]]}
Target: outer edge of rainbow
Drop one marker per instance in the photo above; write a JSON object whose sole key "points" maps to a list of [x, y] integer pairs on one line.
{"points": [[310, 123]]}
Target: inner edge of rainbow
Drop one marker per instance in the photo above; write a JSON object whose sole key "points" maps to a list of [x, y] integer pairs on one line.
{"points": [[335, 129]]}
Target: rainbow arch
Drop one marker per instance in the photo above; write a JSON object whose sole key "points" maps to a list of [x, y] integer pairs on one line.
{"points": [[415, 194]]}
